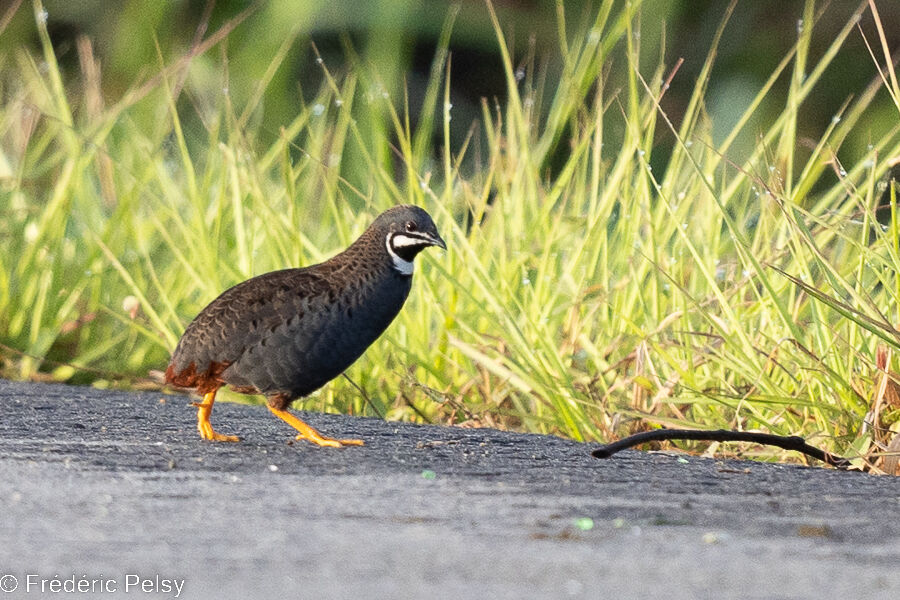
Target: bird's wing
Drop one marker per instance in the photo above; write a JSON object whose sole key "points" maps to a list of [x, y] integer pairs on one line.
{"points": [[244, 314]]}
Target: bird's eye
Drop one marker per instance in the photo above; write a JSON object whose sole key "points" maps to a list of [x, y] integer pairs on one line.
{"points": [[411, 226]]}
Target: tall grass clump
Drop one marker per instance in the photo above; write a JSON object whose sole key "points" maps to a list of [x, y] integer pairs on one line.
{"points": [[584, 293]]}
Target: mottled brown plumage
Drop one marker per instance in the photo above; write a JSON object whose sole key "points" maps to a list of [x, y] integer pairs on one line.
{"points": [[286, 333]]}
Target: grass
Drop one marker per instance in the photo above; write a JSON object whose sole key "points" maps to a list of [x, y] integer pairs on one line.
{"points": [[583, 293]]}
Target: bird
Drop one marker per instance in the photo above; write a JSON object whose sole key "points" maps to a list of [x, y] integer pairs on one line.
{"points": [[286, 333]]}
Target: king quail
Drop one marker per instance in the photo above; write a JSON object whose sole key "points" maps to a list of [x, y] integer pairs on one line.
{"points": [[287, 333]]}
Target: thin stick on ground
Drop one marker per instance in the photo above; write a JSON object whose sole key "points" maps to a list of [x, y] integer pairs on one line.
{"points": [[791, 442]]}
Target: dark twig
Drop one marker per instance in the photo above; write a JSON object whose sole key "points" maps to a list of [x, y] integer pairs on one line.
{"points": [[791, 442]]}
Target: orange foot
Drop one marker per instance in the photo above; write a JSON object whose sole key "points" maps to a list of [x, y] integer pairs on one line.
{"points": [[309, 434], [204, 410]]}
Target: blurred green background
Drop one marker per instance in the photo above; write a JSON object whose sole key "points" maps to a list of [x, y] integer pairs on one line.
{"points": [[397, 39], [154, 153]]}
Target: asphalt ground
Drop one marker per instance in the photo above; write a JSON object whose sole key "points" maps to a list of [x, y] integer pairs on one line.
{"points": [[116, 492]]}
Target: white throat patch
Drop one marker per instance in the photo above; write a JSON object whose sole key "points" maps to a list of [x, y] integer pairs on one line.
{"points": [[405, 267]]}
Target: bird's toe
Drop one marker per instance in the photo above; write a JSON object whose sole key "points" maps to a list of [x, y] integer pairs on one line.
{"points": [[327, 442]]}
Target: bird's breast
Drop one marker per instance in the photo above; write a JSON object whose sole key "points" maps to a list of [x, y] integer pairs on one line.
{"points": [[305, 351]]}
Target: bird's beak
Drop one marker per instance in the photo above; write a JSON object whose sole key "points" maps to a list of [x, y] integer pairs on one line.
{"points": [[436, 240]]}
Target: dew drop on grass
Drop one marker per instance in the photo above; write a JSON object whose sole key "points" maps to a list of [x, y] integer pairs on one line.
{"points": [[338, 102], [688, 144], [31, 232], [319, 60], [799, 25], [843, 172], [129, 303], [318, 109], [641, 153], [836, 119], [42, 16], [520, 74]]}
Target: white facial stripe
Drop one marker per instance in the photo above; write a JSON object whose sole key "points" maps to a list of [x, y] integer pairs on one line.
{"points": [[404, 266], [401, 240]]}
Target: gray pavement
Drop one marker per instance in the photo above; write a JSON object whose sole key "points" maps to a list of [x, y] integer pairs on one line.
{"points": [[117, 490]]}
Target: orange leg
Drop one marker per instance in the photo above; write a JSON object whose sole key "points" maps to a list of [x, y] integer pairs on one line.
{"points": [[309, 434], [204, 409]]}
